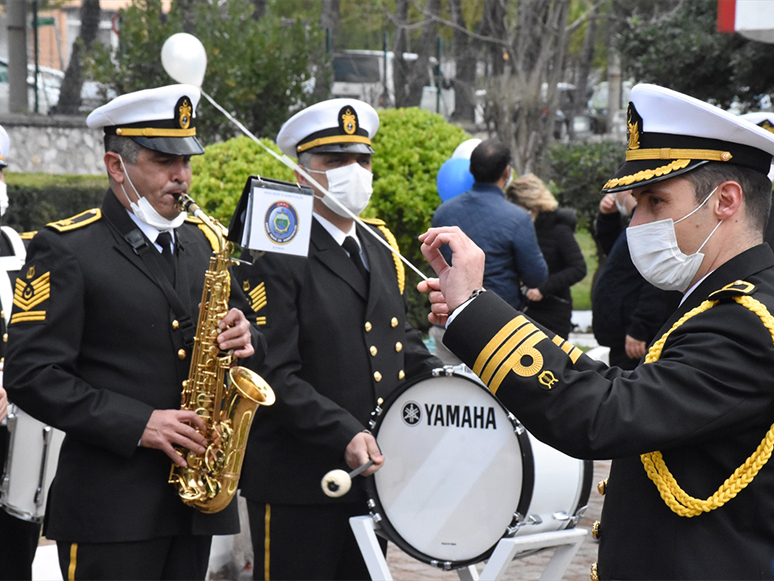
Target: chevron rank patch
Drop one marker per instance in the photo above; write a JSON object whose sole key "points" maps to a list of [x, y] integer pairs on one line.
{"points": [[257, 298], [29, 293]]}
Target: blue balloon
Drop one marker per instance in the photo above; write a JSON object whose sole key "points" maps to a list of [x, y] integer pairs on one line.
{"points": [[454, 178]]}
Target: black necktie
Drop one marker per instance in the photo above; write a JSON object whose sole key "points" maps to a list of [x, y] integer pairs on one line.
{"points": [[164, 239], [351, 246]]}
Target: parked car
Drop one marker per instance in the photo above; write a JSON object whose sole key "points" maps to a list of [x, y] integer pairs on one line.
{"points": [[93, 94]]}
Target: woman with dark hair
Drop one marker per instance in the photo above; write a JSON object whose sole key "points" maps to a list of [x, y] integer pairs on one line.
{"points": [[550, 304]]}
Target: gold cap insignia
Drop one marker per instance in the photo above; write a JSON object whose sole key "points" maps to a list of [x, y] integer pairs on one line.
{"points": [[348, 121], [634, 126], [184, 113]]}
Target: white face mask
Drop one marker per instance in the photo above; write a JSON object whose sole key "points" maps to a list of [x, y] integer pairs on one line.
{"points": [[657, 256], [3, 198], [351, 185], [145, 211]]}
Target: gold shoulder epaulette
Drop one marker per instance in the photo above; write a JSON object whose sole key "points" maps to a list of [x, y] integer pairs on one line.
{"points": [[734, 289], [28, 235], [192, 219], [77, 221], [400, 270]]}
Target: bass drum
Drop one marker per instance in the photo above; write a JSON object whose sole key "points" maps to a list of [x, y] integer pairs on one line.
{"points": [[461, 472], [33, 454]]}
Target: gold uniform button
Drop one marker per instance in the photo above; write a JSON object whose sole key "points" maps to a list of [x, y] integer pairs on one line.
{"points": [[373, 350], [595, 529], [398, 346], [401, 374], [368, 326], [602, 487], [175, 324], [2, 314], [594, 576], [377, 376], [181, 354], [394, 321], [5, 337], [379, 401]]}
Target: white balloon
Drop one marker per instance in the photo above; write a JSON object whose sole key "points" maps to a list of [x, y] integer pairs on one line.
{"points": [[184, 58], [465, 148]]}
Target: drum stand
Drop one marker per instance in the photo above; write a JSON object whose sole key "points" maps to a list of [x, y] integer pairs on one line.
{"points": [[567, 543]]}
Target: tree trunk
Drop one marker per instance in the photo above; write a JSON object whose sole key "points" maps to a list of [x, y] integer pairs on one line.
{"points": [[465, 77], [399, 46], [584, 69], [70, 93], [260, 9], [493, 24], [329, 18], [17, 58], [419, 73]]}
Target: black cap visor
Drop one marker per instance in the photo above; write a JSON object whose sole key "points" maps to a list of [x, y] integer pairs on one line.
{"points": [[342, 148], [171, 145]]}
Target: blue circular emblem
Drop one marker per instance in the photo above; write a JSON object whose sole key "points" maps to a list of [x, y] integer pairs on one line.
{"points": [[281, 222], [412, 413]]}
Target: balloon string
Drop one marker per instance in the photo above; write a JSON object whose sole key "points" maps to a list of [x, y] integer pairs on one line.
{"points": [[295, 167]]}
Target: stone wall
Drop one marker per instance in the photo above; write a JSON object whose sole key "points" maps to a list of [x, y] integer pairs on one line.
{"points": [[56, 145]]}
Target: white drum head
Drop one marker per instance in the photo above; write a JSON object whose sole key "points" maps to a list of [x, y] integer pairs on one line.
{"points": [[452, 476]]}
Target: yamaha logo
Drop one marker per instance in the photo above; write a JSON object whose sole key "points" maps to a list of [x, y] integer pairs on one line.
{"points": [[412, 413]]}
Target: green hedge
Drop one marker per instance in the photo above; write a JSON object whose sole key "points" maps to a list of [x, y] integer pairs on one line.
{"points": [[411, 146], [34, 200]]}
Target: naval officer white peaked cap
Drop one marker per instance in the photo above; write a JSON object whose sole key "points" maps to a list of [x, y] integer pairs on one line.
{"points": [[671, 134], [162, 119], [335, 125]]}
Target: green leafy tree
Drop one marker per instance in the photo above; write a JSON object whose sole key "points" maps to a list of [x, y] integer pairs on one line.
{"points": [[257, 69], [682, 50]]}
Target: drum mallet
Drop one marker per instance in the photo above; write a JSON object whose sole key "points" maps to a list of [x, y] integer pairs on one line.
{"points": [[337, 483]]}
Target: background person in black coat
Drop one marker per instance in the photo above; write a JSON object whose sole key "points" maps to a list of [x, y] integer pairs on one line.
{"points": [[627, 311], [550, 303]]}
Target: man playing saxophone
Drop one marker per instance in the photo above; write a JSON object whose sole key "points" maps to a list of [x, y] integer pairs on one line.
{"points": [[105, 313]]}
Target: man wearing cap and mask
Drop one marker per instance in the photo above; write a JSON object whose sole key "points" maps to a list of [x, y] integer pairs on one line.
{"points": [[104, 315], [340, 343], [691, 489], [18, 538]]}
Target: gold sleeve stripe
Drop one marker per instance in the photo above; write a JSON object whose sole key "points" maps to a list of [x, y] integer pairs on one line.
{"points": [[73, 562], [258, 297], [557, 340], [507, 348], [575, 354], [514, 362], [496, 341], [267, 543], [260, 321], [566, 347], [31, 316]]}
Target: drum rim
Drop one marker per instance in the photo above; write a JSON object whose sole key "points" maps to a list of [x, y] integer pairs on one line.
{"points": [[528, 474]]}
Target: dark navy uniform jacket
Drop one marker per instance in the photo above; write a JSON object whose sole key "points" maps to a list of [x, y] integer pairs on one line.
{"points": [[337, 345], [706, 404], [94, 348]]}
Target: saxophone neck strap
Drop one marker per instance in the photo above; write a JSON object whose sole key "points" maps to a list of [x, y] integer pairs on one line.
{"points": [[142, 248]]}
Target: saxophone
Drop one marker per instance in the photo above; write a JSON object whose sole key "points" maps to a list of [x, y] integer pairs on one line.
{"points": [[210, 480]]}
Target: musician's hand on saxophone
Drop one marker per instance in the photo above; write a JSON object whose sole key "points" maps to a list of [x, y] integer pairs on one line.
{"points": [[235, 334], [360, 450], [169, 428]]}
